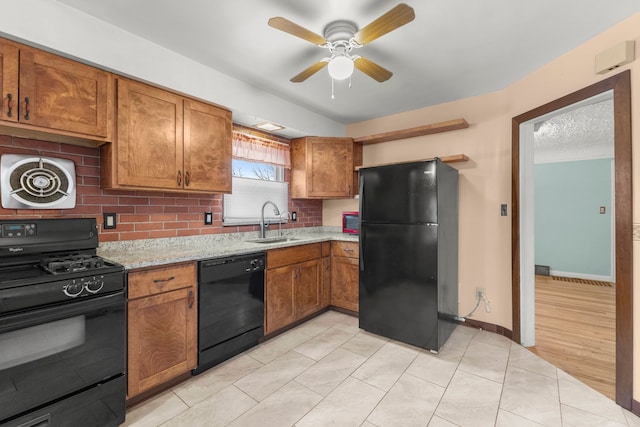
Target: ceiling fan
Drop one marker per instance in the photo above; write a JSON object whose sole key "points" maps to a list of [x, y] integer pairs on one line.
{"points": [[341, 37]]}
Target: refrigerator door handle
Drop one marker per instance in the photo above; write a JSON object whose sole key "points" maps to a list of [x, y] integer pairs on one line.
{"points": [[360, 251], [360, 209], [361, 195]]}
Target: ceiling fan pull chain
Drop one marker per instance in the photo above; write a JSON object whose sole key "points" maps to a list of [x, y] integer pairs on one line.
{"points": [[332, 95], [349, 82]]}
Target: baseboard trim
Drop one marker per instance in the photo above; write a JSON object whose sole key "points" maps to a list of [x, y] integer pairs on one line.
{"points": [[344, 311], [596, 277], [635, 408], [478, 324]]}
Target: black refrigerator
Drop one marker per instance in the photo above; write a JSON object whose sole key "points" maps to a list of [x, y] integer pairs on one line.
{"points": [[409, 252]]}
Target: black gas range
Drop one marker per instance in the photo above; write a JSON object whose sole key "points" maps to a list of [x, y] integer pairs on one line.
{"points": [[62, 326]]}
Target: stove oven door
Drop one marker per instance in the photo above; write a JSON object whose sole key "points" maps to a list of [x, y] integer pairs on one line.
{"points": [[64, 363]]}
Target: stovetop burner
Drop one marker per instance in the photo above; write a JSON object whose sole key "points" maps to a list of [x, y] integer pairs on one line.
{"points": [[72, 263], [57, 251]]}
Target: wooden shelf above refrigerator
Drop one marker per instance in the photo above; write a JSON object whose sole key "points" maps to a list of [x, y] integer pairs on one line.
{"points": [[413, 132], [454, 158]]}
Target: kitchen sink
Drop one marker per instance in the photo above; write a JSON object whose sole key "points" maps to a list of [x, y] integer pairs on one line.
{"points": [[278, 239]]}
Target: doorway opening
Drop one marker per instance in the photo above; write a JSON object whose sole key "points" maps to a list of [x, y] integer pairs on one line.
{"points": [[574, 251], [523, 266]]}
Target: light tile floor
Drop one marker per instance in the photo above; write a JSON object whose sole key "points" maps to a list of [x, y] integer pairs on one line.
{"points": [[329, 372]]}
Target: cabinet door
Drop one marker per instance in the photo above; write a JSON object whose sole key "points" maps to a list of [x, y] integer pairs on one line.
{"points": [[344, 283], [61, 94], [9, 81], [207, 147], [162, 338], [329, 167], [149, 144], [279, 298], [308, 288]]}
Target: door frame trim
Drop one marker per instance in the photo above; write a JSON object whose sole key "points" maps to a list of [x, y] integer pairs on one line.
{"points": [[621, 86]]}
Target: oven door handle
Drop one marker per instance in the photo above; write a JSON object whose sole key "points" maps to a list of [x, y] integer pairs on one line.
{"points": [[40, 316]]}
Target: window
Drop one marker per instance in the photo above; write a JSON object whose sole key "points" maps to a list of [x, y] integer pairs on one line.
{"points": [[258, 167], [257, 170]]}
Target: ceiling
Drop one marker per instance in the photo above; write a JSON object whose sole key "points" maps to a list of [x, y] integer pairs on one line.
{"points": [[453, 49], [581, 131]]}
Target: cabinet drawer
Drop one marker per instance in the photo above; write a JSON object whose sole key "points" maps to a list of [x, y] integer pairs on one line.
{"points": [[293, 255], [161, 279], [345, 249]]}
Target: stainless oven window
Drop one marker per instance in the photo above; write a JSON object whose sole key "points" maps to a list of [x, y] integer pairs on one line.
{"points": [[84, 346], [40, 341]]}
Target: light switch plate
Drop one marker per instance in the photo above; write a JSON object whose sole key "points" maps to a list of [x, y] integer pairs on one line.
{"points": [[109, 221], [208, 218]]}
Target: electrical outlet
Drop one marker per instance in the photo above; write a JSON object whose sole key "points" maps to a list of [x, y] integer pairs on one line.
{"points": [[109, 221], [480, 292], [294, 216], [208, 218]]}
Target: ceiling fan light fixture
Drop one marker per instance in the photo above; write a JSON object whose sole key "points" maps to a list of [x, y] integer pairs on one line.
{"points": [[340, 67]]}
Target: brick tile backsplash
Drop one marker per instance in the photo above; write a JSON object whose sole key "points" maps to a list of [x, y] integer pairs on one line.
{"points": [[139, 214]]}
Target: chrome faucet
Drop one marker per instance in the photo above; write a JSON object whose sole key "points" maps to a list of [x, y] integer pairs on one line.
{"points": [[263, 226]]}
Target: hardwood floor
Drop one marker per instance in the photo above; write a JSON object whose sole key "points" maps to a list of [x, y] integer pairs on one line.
{"points": [[575, 330]]}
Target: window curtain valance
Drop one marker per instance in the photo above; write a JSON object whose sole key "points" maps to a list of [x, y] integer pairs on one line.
{"points": [[258, 149]]}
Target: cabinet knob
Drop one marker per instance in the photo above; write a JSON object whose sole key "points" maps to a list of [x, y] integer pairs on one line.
{"points": [[9, 105], [179, 178], [191, 299], [187, 178]]}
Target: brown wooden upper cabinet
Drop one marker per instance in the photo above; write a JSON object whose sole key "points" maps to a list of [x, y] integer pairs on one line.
{"points": [[45, 92], [165, 141], [9, 60], [322, 168]]}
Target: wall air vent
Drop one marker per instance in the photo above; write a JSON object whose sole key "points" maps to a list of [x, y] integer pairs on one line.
{"points": [[32, 182]]}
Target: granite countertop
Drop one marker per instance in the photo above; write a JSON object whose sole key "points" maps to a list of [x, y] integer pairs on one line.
{"points": [[155, 252]]}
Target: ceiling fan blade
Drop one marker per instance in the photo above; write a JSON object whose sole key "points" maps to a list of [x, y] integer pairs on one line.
{"points": [[372, 69], [396, 17], [287, 26], [309, 72]]}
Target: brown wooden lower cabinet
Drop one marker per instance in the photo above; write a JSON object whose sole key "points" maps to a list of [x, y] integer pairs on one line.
{"points": [[295, 285], [344, 275], [162, 325], [279, 298], [308, 288]]}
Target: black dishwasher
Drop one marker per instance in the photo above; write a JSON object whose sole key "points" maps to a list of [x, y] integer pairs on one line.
{"points": [[230, 307]]}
